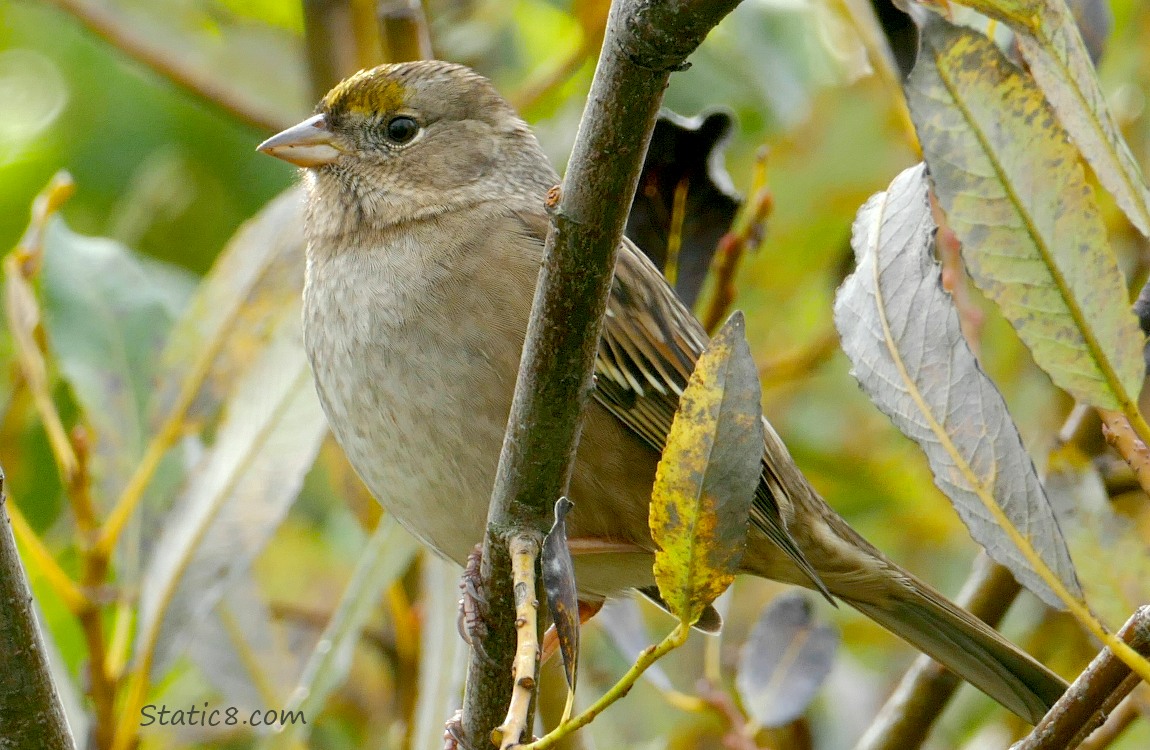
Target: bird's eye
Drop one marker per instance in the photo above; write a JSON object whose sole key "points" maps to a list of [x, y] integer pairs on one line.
{"points": [[401, 129]]}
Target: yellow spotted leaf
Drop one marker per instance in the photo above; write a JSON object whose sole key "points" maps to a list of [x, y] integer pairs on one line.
{"points": [[707, 476], [1015, 193]]}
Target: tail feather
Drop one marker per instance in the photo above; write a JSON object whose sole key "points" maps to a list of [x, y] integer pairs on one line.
{"points": [[967, 646]]}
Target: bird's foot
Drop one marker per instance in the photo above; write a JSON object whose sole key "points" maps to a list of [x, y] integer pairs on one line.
{"points": [[453, 732], [472, 602]]}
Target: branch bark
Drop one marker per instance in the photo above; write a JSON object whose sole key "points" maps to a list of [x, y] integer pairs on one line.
{"points": [[644, 43], [1096, 692], [30, 711]]}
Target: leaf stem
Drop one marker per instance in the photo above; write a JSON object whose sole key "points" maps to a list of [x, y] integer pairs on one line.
{"points": [[650, 655]]}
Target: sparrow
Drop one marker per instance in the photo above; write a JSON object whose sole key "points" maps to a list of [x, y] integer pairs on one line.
{"points": [[425, 226]]}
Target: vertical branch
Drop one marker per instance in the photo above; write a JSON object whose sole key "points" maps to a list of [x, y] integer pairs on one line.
{"points": [[329, 38], [644, 43], [30, 710], [403, 30]]}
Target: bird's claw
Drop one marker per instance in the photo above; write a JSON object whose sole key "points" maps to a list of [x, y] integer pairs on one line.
{"points": [[453, 732], [472, 603]]}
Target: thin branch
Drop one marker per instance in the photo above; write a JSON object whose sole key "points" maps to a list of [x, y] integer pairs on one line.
{"points": [[1122, 438], [203, 85], [1096, 692], [330, 42], [643, 44], [515, 728], [1117, 723], [927, 687], [745, 234], [30, 711]]}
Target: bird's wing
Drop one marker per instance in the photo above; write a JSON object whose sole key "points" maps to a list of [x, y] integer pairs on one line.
{"points": [[647, 352]]}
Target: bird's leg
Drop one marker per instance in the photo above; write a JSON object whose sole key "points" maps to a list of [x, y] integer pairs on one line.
{"points": [[473, 602]]}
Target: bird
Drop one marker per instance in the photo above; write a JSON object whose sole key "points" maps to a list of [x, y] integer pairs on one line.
{"points": [[425, 223]]}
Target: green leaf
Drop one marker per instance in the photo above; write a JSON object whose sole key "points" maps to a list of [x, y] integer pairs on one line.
{"points": [[707, 476], [902, 335], [1016, 195], [1060, 63], [785, 661], [1057, 56], [108, 312]]}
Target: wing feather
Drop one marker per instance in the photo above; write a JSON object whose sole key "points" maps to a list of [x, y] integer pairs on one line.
{"points": [[649, 347]]}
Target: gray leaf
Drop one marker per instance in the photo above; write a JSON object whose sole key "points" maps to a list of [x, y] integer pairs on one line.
{"points": [[784, 662], [901, 332]]}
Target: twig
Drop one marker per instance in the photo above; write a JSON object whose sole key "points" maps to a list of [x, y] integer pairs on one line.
{"points": [[203, 85], [93, 577], [745, 234], [644, 43], [22, 312], [801, 363], [1117, 723], [924, 691], [524, 549], [30, 711], [1120, 435], [403, 30], [1098, 690], [650, 655]]}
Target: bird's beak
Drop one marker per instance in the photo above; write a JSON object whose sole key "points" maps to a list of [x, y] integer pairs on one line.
{"points": [[309, 144]]}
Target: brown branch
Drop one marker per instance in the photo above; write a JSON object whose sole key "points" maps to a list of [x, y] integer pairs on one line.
{"points": [[745, 234], [924, 691], [204, 86], [643, 44], [30, 711], [1121, 436], [1096, 692], [403, 30], [1116, 723]]}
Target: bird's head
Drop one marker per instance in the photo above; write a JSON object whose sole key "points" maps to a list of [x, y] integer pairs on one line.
{"points": [[406, 141]]}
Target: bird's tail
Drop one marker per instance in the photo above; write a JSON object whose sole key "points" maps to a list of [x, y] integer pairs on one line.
{"points": [[964, 644]]}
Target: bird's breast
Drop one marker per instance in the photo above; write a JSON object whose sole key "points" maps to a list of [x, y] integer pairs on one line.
{"points": [[415, 387]]}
